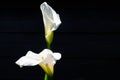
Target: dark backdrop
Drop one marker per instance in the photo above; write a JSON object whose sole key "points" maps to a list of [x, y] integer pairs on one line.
{"points": [[88, 39]]}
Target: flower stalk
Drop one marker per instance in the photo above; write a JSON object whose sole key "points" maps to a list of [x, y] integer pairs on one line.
{"points": [[46, 59], [51, 22], [48, 77], [49, 39]]}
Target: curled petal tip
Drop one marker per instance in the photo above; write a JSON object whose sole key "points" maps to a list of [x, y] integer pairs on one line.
{"points": [[57, 56]]}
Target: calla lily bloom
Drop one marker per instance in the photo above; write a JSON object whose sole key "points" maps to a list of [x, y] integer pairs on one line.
{"points": [[46, 59], [51, 21]]}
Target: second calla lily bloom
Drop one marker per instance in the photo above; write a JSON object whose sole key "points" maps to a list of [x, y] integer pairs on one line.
{"points": [[46, 59], [51, 21]]}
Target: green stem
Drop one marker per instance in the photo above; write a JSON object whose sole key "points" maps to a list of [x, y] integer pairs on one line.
{"points": [[49, 39], [48, 45], [47, 77]]}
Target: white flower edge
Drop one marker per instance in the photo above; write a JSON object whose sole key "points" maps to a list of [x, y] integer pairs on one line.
{"points": [[44, 57], [50, 17]]}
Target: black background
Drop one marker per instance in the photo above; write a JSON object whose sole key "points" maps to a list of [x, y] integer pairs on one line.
{"points": [[88, 39]]}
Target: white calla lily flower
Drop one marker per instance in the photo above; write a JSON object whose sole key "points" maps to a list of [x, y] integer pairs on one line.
{"points": [[46, 59], [51, 21]]}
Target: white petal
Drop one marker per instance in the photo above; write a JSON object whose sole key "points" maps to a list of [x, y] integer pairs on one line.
{"points": [[48, 54], [48, 57], [30, 59], [57, 56], [49, 61], [46, 51], [26, 61], [57, 22], [50, 17], [33, 55]]}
